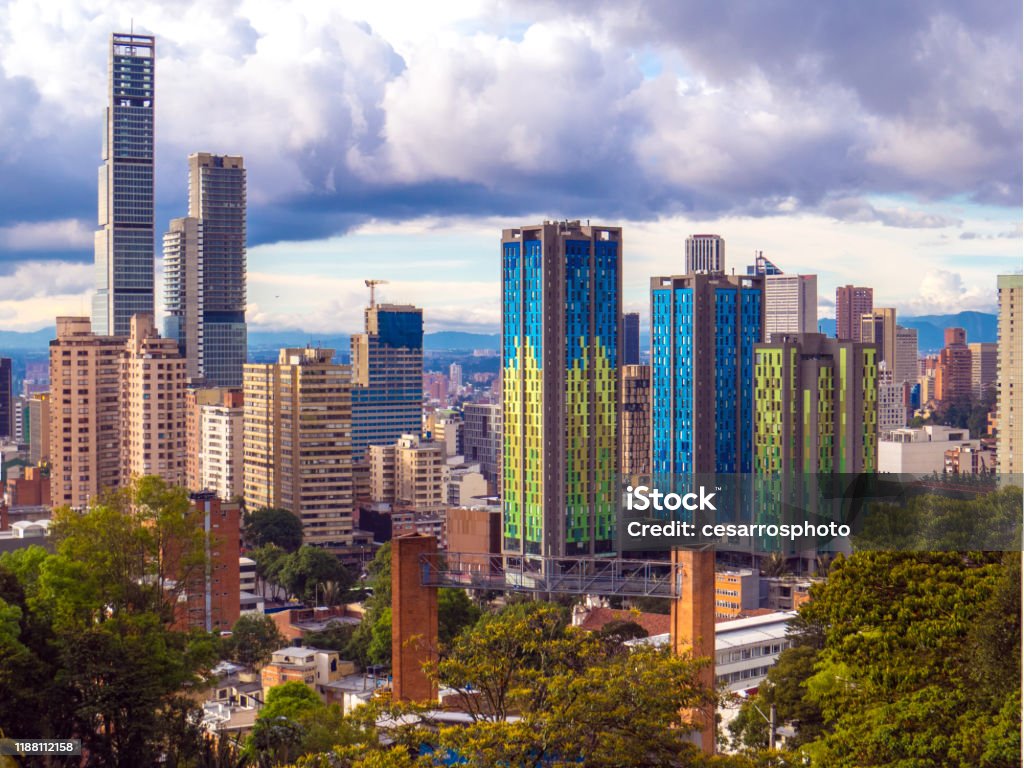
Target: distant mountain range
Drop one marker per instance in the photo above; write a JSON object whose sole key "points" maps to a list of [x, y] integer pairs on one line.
{"points": [[980, 326]]}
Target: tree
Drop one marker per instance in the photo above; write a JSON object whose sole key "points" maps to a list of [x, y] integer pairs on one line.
{"points": [[135, 551], [296, 722], [253, 640], [269, 560], [895, 681], [336, 636], [290, 700], [455, 612], [312, 573], [578, 699], [95, 651], [621, 630], [270, 525], [785, 687]]}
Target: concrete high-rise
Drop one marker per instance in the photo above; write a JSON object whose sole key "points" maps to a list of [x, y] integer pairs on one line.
{"points": [[906, 367], [635, 431], [790, 304], [124, 242], [892, 409], [297, 442], [39, 428], [152, 405], [704, 253], [204, 272], [631, 338], [852, 303], [387, 375], [815, 406], [1010, 376], [878, 327], [6, 399], [703, 332], [984, 366], [85, 413], [454, 378], [561, 308], [481, 438]]}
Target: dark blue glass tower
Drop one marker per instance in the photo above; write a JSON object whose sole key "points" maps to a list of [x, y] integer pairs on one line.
{"points": [[387, 371]]}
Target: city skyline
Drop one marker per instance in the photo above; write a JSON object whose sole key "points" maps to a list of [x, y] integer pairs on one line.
{"points": [[913, 188]]}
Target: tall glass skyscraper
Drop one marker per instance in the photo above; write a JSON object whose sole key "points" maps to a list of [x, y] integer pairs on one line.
{"points": [[204, 272], [703, 331], [561, 304], [387, 375], [124, 242]]}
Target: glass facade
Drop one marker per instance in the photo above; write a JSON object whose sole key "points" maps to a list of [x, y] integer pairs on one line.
{"points": [[124, 247], [387, 363], [560, 361], [204, 272], [703, 332]]}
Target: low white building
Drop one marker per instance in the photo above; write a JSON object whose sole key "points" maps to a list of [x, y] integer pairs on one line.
{"points": [[919, 451], [745, 649]]}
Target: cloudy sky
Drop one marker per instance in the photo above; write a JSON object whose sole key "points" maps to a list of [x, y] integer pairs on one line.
{"points": [[869, 142]]}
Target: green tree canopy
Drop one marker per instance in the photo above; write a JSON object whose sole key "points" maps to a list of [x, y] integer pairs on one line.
{"points": [[253, 640], [314, 574], [575, 698], [270, 525], [86, 639], [902, 678]]}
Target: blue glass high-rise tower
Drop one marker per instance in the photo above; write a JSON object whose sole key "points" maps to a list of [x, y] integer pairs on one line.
{"points": [[703, 331], [124, 242], [387, 372]]}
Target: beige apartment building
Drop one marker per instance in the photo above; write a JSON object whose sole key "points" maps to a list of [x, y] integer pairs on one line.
{"points": [[984, 366], [85, 412], [152, 417], [297, 442], [410, 472], [1009, 423], [260, 436], [906, 366]]}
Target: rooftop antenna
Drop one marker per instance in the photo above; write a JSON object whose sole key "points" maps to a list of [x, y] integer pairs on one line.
{"points": [[372, 285]]}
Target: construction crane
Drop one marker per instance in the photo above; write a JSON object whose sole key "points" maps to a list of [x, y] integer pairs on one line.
{"points": [[372, 285]]}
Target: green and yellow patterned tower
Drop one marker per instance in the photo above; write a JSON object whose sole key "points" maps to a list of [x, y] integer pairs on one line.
{"points": [[815, 422], [561, 289], [815, 406]]}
